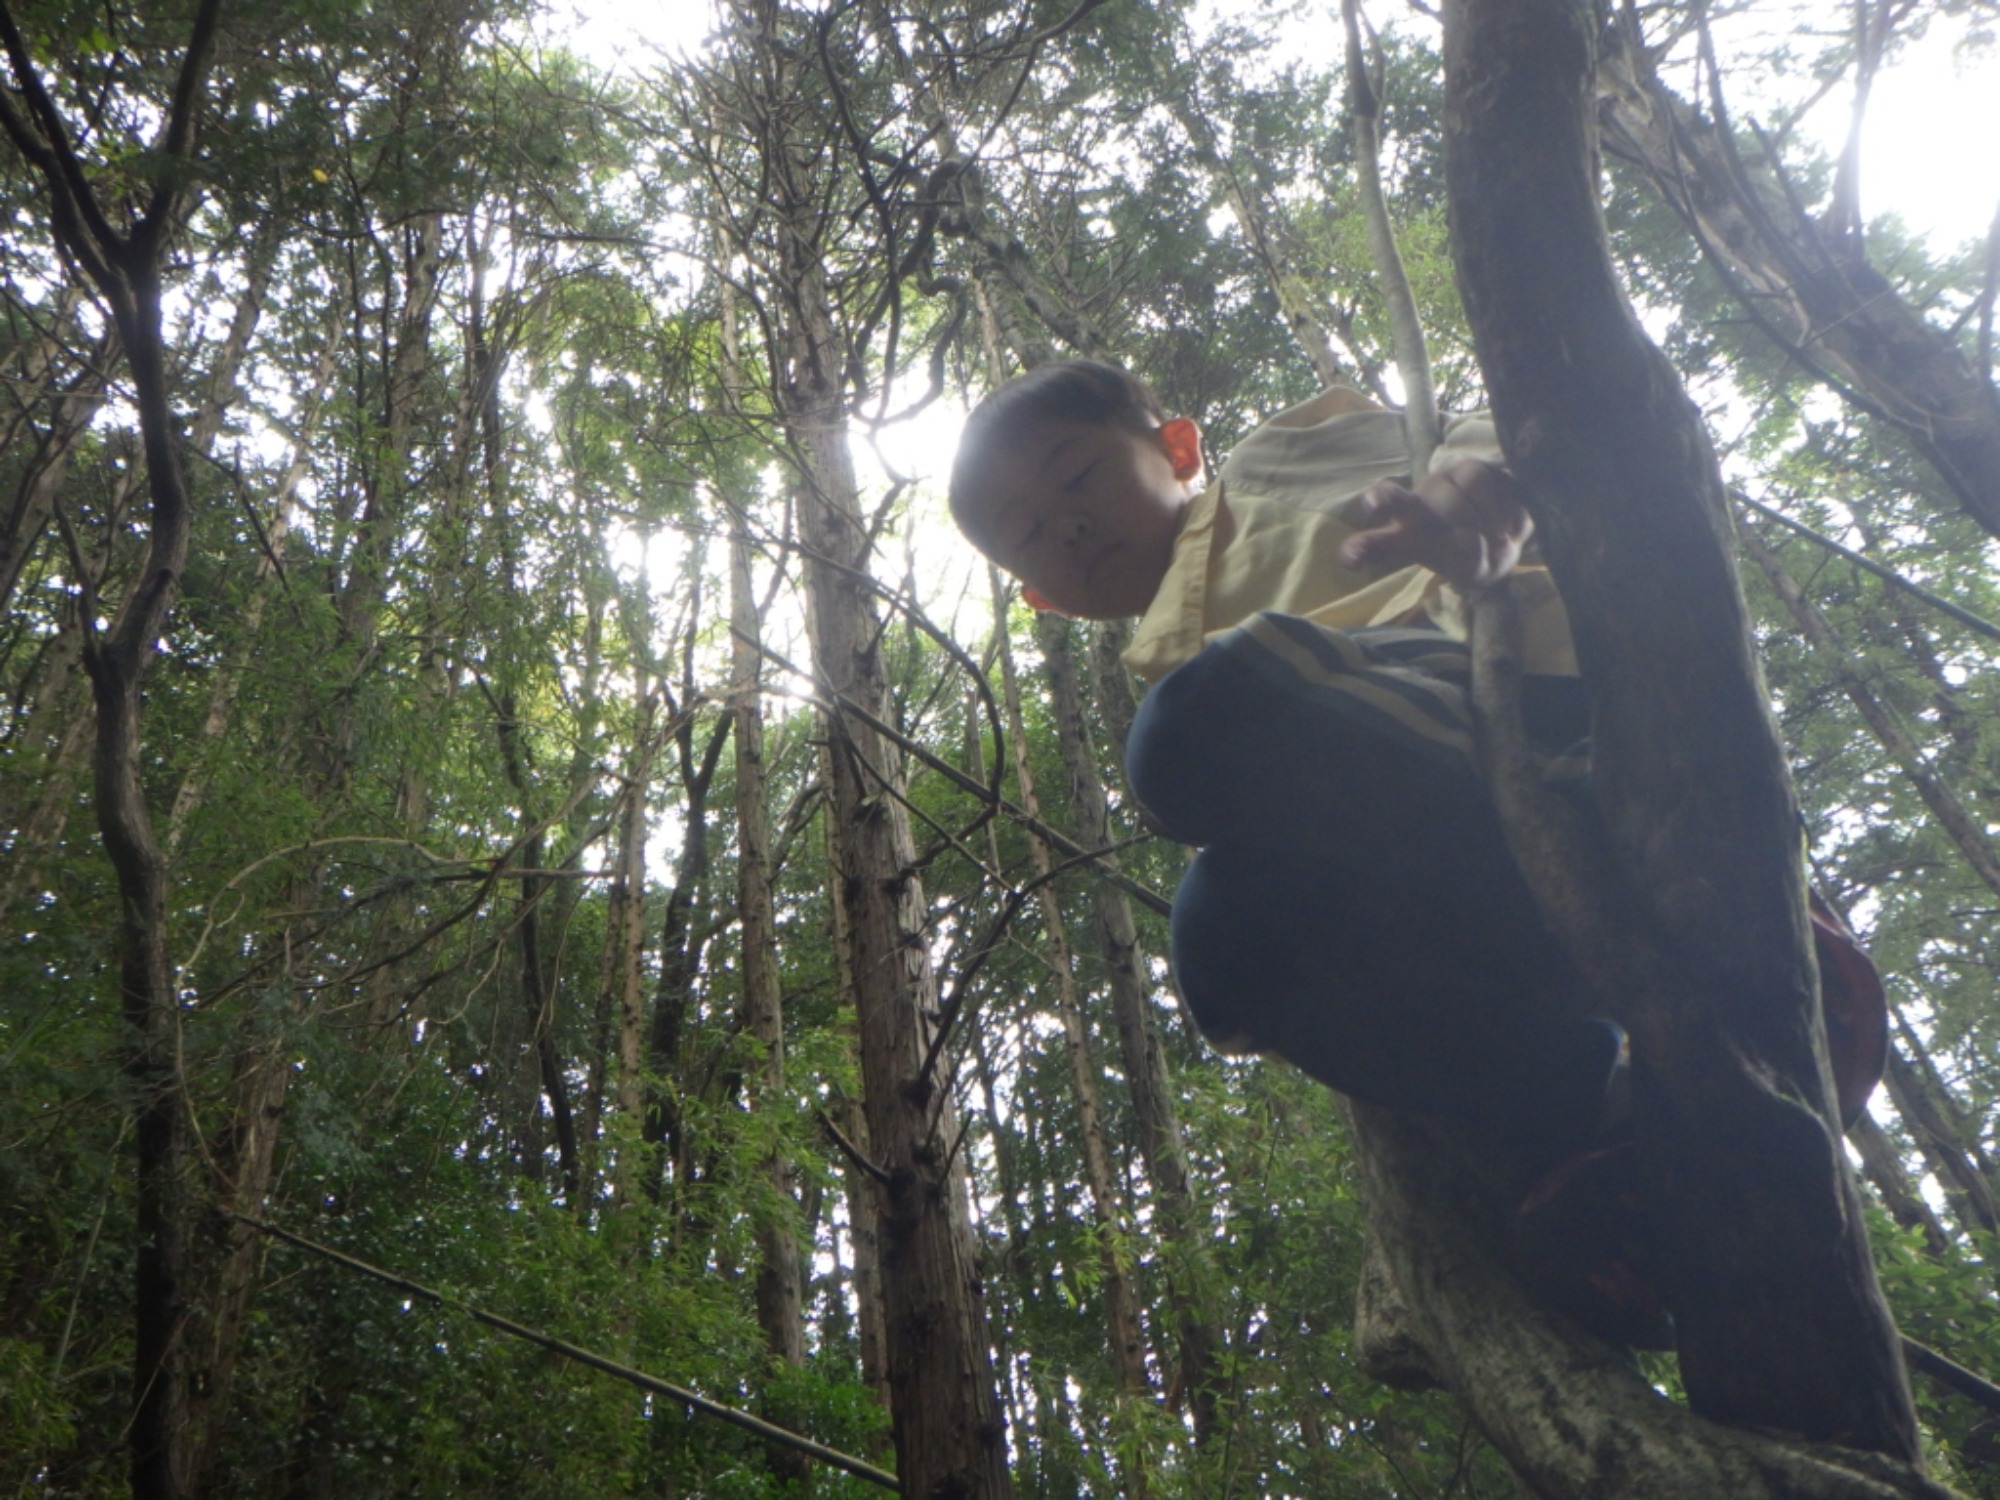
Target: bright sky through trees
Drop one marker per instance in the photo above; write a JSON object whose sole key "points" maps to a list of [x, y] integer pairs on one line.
{"points": [[1933, 111], [1928, 155]]}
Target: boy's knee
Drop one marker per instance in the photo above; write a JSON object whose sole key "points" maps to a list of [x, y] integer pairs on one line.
{"points": [[1171, 751]]}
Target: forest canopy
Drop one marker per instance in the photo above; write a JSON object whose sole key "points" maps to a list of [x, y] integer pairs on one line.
{"points": [[506, 772]]}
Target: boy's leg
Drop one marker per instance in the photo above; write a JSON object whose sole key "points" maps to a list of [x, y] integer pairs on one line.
{"points": [[1409, 998], [1282, 734], [1357, 909], [1362, 734]]}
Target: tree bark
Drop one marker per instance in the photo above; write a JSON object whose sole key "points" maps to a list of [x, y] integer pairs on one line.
{"points": [[864, 1210], [245, 1169], [71, 410], [1574, 1417], [680, 969], [222, 694], [1692, 923], [1413, 361], [1883, 1166], [623, 992], [949, 1433], [538, 983], [1953, 1152], [1256, 223], [50, 749]]}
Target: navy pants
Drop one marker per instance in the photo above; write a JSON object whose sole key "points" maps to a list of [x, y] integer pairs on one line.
{"points": [[1353, 906]]}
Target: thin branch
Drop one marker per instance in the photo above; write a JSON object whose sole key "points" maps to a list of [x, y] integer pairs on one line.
{"points": [[1420, 418], [1987, 291], [53, 152], [1951, 1374], [1868, 564], [854, 1153], [1152, 900], [180, 132], [954, 1003]]}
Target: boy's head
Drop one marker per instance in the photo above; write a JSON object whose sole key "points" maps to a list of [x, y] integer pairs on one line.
{"points": [[1072, 479]]}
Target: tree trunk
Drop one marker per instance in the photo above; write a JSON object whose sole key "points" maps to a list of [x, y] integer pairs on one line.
{"points": [[1953, 1152], [1127, 1337], [680, 970], [622, 990], [949, 1435], [407, 335], [950, 1438], [1181, 1227], [47, 752], [1574, 1417], [780, 1289], [1006, 1187], [222, 694], [1262, 235], [244, 1173], [1690, 920], [864, 1211], [70, 413], [1111, 682], [1413, 361], [1882, 1165], [126, 269], [949, 1431], [1106, 1202]]}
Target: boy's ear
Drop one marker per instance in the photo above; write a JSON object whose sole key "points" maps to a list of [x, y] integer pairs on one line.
{"points": [[1182, 440], [1034, 598]]}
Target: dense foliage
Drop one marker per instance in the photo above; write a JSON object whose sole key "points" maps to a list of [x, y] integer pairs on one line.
{"points": [[475, 349]]}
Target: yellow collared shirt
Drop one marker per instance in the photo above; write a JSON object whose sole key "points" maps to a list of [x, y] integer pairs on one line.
{"points": [[1267, 535]]}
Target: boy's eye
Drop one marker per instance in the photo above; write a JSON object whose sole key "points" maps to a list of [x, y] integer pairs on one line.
{"points": [[1080, 475]]}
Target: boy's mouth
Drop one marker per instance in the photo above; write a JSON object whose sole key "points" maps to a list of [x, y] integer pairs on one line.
{"points": [[1090, 569]]}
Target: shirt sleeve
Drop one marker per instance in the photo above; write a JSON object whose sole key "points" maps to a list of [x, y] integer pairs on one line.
{"points": [[1470, 436]]}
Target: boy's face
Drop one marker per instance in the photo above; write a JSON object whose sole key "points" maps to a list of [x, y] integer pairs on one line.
{"points": [[1086, 514]]}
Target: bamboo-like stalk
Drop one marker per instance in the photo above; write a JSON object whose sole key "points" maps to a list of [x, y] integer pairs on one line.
{"points": [[1406, 330]]}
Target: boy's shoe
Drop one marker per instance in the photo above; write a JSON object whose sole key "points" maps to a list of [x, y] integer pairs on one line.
{"points": [[1580, 1232], [1582, 1238]]}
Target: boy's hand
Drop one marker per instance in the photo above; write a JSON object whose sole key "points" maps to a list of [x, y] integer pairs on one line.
{"points": [[1467, 523]]}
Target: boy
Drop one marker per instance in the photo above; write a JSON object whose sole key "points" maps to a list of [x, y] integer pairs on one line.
{"points": [[1353, 906]]}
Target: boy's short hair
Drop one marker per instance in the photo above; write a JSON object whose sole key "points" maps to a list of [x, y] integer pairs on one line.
{"points": [[1071, 390]]}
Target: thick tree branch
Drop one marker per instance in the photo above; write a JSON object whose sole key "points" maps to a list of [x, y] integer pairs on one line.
{"points": [[1570, 1415], [43, 138], [1811, 289], [1765, 1262]]}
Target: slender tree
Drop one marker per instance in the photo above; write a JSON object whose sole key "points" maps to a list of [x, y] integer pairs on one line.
{"points": [[123, 265]]}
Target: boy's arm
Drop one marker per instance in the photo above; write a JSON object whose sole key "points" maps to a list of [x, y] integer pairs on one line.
{"points": [[1468, 522]]}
